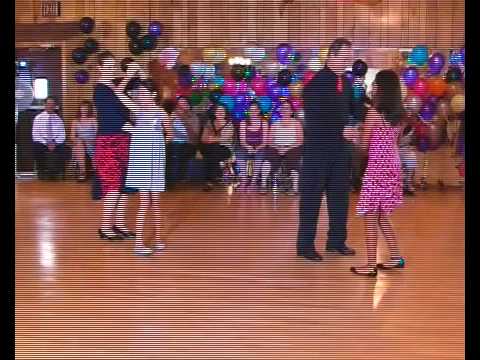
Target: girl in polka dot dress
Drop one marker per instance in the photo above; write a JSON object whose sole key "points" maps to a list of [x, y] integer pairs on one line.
{"points": [[382, 187]]}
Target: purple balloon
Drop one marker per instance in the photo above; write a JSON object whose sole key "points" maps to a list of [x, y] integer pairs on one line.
{"points": [[423, 145], [432, 99], [348, 76], [410, 76], [81, 76], [274, 91], [240, 99], [155, 28], [283, 52], [436, 63], [275, 117], [185, 80], [427, 111]]}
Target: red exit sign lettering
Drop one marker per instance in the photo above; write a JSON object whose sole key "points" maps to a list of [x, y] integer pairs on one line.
{"points": [[50, 8]]}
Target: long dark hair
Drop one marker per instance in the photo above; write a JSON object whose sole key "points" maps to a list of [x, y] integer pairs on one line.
{"points": [[136, 83], [90, 112], [212, 117], [253, 103], [388, 97], [293, 115]]}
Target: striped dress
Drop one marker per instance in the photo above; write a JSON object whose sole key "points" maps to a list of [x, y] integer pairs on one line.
{"points": [[146, 163]]}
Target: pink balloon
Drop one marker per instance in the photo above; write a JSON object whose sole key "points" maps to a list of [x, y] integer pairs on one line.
{"points": [[242, 87], [421, 87], [259, 86], [308, 76], [229, 87], [297, 104]]}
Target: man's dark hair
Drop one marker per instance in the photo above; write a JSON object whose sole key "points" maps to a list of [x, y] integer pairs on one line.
{"points": [[337, 45], [104, 55], [51, 98]]}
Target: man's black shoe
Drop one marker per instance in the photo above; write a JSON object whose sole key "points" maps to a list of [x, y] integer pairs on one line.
{"points": [[344, 251], [310, 255]]}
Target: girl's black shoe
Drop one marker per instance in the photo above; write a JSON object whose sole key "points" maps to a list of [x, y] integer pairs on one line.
{"points": [[371, 272], [108, 237], [129, 235], [399, 265]]}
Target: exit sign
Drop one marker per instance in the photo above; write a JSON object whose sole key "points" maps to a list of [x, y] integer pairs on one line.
{"points": [[50, 8]]}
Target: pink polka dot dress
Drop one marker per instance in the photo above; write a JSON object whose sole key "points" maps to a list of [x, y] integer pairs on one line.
{"points": [[382, 188]]}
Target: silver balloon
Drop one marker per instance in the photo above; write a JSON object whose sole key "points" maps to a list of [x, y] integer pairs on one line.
{"points": [[23, 94], [271, 68], [413, 104]]}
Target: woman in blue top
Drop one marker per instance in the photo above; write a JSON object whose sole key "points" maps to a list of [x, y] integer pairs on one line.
{"points": [[111, 149]]}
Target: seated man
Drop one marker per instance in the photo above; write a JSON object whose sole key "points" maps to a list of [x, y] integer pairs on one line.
{"points": [[49, 149]]}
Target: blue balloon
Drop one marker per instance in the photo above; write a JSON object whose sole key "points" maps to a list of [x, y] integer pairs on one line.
{"points": [[296, 77], [419, 55], [358, 92], [285, 92], [265, 103], [239, 113], [456, 58], [227, 101], [219, 81]]}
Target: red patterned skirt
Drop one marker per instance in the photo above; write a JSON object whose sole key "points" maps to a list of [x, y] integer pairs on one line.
{"points": [[111, 160]]}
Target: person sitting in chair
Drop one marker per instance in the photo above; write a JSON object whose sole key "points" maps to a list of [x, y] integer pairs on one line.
{"points": [[50, 151], [83, 133]]}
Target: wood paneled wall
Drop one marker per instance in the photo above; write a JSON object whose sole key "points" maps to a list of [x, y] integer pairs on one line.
{"points": [[304, 23]]}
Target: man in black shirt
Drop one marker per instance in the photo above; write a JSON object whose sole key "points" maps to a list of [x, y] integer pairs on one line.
{"points": [[328, 104]]}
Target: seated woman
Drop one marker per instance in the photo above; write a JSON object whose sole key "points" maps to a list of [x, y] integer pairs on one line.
{"points": [[186, 129], [216, 142], [83, 133], [253, 141], [284, 146]]}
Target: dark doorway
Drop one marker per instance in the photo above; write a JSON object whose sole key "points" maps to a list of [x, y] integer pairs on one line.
{"points": [[41, 63]]}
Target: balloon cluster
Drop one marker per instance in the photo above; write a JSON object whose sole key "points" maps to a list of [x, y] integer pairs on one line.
{"points": [[138, 44], [204, 76], [80, 54], [432, 90]]}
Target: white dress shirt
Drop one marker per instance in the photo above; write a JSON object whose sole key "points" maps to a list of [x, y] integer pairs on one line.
{"points": [[48, 128]]}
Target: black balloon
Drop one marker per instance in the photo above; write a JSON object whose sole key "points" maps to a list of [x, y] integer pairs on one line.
{"points": [[86, 25], [359, 68], [215, 96], [133, 29], [183, 70], [79, 55], [149, 42], [453, 74], [135, 46], [238, 72], [124, 63], [250, 72], [91, 46], [284, 77]]}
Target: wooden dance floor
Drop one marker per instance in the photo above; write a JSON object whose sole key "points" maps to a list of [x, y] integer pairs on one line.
{"points": [[229, 285]]}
